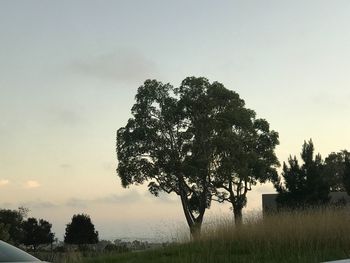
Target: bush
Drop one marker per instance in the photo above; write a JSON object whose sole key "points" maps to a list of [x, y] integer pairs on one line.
{"points": [[116, 248]]}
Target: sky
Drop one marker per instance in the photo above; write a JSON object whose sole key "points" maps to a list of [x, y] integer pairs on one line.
{"points": [[69, 71]]}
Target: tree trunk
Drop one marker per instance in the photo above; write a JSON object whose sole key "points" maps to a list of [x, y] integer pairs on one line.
{"points": [[195, 231], [237, 212], [194, 223]]}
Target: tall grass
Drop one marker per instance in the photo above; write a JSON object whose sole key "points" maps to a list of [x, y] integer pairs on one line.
{"points": [[300, 236], [308, 227], [290, 236]]}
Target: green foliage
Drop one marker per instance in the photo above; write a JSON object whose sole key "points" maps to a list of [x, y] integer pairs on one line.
{"points": [[116, 248], [36, 232], [337, 170], [12, 220], [244, 151], [167, 143], [81, 231], [4, 232], [197, 140], [305, 185]]}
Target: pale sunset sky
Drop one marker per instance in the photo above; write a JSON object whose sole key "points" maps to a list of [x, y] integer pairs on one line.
{"points": [[69, 71]]}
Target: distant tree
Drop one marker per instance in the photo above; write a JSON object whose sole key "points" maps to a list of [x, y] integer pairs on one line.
{"points": [[336, 170], [116, 248], [305, 185], [4, 232], [81, 231], [13, 219], [346, 174], [37, 232]]}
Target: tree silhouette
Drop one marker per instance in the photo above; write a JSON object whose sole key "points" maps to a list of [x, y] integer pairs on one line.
{"points": [[37, 232], [178, 139], [337, 170], [245, 156], [346, 174], [12, 220], [81, 231], [4, 232], [305, 185], [166, 144]]}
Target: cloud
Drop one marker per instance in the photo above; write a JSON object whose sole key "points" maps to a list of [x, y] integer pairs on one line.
{"points": [[4, 182], [32, 184], [124, 65], [68, 117], [38, 204], [163, 197], [65, 166], [130, 197], [127, 198], [58, 116], [330, 100]]}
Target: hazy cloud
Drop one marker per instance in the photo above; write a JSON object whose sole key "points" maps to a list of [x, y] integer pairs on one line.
{"points": [[32, 184], [6, 205], [130, 197], [122, 65], [62, 116], [68, 117], [330, 100], [4, 182], [75, 202], [65, 166], [38, 204], [163, 197]]}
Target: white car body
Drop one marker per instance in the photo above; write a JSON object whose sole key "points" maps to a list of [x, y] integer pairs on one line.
{"points": [[11, 254]]}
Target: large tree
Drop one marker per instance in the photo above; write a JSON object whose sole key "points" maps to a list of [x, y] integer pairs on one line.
{"points": [[167, 144], [180, 140], [303, 185], [243, 150], [81, 231], [37, 232]]}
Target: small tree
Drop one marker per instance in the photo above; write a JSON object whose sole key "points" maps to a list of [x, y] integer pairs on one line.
{"points": [[81, 231], [37, 232], [304, 185]]}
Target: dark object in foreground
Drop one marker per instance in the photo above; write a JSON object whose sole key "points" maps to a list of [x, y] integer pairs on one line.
{"points": [[10, 253]]}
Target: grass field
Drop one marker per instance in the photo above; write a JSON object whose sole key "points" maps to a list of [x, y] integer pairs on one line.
{"points": [[309, 236]]}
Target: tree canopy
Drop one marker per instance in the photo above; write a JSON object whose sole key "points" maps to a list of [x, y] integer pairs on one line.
{"points": [[244, 156], [192, 141], [166, 144], [36, 232], [81, 231], [337, 166], [304, 185], [4, 232], [12, 223]]}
